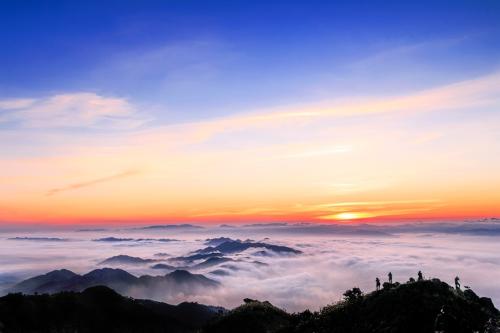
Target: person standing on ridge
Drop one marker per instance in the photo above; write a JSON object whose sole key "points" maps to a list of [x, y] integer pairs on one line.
{"points": [[457, 283], [420, 277], [377, 283], [390, 277]]}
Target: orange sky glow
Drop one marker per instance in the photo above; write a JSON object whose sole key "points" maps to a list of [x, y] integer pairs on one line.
{"points": [[372, 158]]}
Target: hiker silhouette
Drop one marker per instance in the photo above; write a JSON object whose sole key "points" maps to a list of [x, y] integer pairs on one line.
{"points": [[420, 277], [377, 283], [390, 277], [457, 283]]}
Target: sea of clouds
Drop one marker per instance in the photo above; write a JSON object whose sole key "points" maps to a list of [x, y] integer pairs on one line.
{"points": [[334, 257]]}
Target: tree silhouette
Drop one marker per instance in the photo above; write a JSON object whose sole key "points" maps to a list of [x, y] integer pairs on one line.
{"points": [[353, 294]]}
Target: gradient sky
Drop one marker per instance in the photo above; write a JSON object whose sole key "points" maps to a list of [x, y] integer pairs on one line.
{"points": [[143, 111]]}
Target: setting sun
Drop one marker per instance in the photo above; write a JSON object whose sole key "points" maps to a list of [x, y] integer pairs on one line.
{"points": [[347, 216]]}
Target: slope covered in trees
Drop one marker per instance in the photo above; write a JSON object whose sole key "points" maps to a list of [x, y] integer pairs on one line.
{"points": [[416, 306], [423, 306]]}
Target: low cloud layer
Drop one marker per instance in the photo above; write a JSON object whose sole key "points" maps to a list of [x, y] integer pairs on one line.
{"points": [[332, 259]]}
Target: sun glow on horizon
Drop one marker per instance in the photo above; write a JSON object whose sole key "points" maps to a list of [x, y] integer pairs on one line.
{"points": [[348, 216]]}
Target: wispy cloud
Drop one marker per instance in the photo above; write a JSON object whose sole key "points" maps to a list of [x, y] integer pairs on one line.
{"points": [[402, 52], [12, 104], [377, 203], [72, 110], [479, 92], [92, 182]]}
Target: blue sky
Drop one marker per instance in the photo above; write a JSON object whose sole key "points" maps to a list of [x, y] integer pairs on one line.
{"points": [[188, 60], [250, 110]]}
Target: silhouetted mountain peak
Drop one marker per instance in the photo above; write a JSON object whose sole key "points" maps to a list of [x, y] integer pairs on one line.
{"points": [[42, 283], [217, 241], [163, 266], [235, 246], [109, 273], [61, 273], [125, 259], [179, 274], [101, 292], [183, 276], [211, 262]]}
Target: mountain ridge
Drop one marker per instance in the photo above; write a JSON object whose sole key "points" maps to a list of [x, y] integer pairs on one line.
{"points": [[99, 309], [115, 278], [425, 306]]}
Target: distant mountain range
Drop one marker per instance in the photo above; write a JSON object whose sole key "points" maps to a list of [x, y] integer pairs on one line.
{"points": [[215, 255], [201, 258], [210, 262], [216, 241], [206, 257], [164, 266], [39, 239], [124, 259], [115, 240], [171, 227], [146, 286], [198, 256], [235, 246]]}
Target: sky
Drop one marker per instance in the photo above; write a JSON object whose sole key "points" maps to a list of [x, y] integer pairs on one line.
{"points": [[233, 111]]}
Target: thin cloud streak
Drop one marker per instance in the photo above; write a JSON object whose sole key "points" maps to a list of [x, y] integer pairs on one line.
{"points": [[92, 182], [478, 92], [369, 203]]}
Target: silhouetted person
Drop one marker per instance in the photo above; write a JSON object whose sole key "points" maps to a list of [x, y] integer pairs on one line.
{"points": [[390, 277], [377, 283], [457, 283], [420, 277]]}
